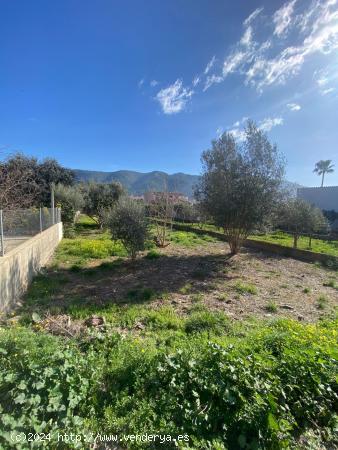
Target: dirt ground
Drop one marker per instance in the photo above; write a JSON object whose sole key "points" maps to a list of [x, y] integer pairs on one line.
{"points": [[206, 274]]}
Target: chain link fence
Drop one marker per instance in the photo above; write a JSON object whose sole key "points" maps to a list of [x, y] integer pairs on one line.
{"points": [[17, 226]]}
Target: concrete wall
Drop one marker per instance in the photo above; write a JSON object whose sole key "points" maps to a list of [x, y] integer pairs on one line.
{"points": [[18, 266], [325, 198]]}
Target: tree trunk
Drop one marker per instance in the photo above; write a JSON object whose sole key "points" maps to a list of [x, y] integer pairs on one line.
{"points": [[310, 242], [235, 245], [295, 240], [323, 179]]}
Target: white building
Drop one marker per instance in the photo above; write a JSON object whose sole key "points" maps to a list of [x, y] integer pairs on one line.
{"points": [[325, 198]]}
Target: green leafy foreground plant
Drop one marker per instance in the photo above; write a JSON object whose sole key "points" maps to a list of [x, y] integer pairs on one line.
{"points": [[265, 388]]}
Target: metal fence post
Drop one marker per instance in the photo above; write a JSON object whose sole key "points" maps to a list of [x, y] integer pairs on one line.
{"points": [[40, 220], [2, 234]]}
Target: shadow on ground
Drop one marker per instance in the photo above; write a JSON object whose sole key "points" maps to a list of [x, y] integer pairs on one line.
{"points": [[125, 282]]}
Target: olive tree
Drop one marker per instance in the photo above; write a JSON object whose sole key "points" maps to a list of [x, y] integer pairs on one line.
{"points": [[99, 198], [240, 183], [161, 209], [70, 199], [301, 218], [128, 223]]}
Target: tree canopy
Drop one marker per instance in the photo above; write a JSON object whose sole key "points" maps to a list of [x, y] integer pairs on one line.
{"points": [[240, 183], [26, 182], [99, 197]]}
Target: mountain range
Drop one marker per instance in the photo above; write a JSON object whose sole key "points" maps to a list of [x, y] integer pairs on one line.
{"points": [[137, 183]]}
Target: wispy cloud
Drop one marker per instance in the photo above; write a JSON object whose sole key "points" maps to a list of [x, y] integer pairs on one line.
{"points": [[154, 83], [212, 79], [246, 39], [270, 122], [294, 106], [283, 18], [210, 65], [252, 16], [196, 81], [306, 28], [174, 98], [328, 90], [325, 78], [140, 83]]}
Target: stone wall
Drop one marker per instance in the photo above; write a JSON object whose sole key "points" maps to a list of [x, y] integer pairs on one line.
{"points": [[18, 266]]}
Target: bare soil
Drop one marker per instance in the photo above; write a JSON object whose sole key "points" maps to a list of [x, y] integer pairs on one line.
{"points": [[206, 274]]}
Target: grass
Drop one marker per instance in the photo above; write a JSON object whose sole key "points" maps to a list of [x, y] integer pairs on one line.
{"points": [[331, 283], [285, 239], [186, 289], [271, 307], [322, 302], [141, 294], [190, 239], [245, 288], [318, 245]]}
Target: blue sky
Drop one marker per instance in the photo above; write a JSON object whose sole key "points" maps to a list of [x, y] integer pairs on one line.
{"points": [[145, 84]]}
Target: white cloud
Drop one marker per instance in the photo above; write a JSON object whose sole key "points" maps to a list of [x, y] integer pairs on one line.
{"points": [[233, 62], [325, 78], [294, 106], [196, 81], [322, 37], [247, 37], [283, 18], [212, 79], [328, 90], [140, 83], [174, 98], [252, 16], [308, 27], [270, 122], [210, 65], [238, 134], [154, 83], [219, 131]]}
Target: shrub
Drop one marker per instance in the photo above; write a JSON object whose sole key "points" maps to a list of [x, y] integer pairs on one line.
{"points": [[128, 223]]}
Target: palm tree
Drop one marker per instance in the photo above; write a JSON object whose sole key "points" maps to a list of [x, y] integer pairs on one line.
{"points": [[322, 167]]}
